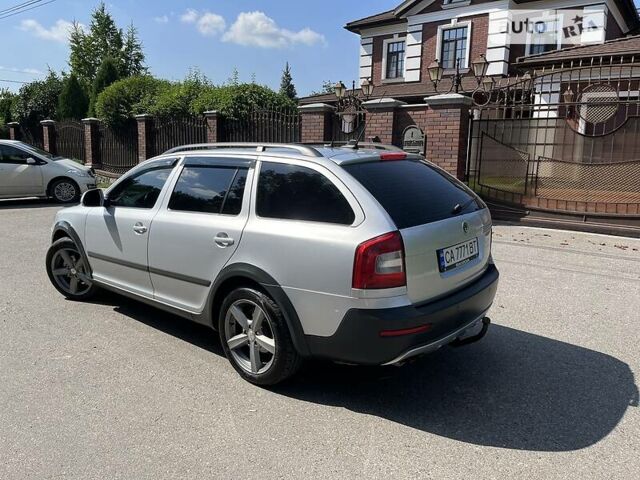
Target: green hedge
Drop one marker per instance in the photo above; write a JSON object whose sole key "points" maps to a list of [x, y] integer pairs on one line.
{"points": [[195, 95]]}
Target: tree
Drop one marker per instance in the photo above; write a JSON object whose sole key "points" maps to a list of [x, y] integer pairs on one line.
{"points": [[73, 101], [327, 87], [287, 88], [107, 74], [104, 39], [133, 54], [38, 100], [7, 100]]}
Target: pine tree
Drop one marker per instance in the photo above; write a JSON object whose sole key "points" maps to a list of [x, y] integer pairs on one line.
{"points": [[104, 39], [73, 102], [287, 88]]}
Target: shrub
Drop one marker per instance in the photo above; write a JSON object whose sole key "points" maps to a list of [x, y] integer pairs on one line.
{"points": [[73, 101], [128, 97]]}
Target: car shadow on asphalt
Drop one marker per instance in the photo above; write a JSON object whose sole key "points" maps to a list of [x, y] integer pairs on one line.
{"points": [[512, 390], [28, 203]]}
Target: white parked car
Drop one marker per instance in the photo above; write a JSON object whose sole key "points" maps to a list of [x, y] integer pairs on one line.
{"points": [[27, 171]]}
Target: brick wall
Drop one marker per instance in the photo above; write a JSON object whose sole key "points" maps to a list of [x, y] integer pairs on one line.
{"points": [[380, 123], [316, 127], [447, 133]]}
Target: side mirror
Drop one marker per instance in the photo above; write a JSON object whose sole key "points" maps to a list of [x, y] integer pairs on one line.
{"points": [[93, 198], [31, 161]]}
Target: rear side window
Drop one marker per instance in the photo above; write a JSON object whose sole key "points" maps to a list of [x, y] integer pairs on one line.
{"points": [[292, 192], [209, 190], [140, 190], [413, 193]]}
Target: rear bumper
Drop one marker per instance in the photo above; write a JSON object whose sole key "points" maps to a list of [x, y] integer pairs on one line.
{"points": [[358, 338]]}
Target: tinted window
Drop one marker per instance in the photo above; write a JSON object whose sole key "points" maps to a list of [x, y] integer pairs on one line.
{"points": [[13, 155], [298, 193], [140, 190], [209, 190], [413, 193]]}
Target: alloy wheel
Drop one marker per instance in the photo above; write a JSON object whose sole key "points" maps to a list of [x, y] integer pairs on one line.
{"points": [[64, 192], [249, 336], [69, 271]]}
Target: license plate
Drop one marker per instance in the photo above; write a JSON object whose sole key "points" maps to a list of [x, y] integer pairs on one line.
{"points": [[457, 255]]}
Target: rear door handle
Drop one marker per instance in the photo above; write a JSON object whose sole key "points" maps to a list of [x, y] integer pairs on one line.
{"points": [[139, 228], [223, 240]]}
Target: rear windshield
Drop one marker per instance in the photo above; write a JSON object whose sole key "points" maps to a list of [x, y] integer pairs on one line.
{"points": [[414, 193]]}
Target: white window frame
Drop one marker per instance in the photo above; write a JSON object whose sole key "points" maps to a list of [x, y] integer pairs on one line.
{"points": [[385, 52], [559, 18], [451, 26]]}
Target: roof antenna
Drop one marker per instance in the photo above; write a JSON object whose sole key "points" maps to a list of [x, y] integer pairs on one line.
{"points": [[364, 127]]}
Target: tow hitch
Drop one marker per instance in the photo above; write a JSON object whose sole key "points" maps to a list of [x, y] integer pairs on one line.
{"points": [[461, 341]]}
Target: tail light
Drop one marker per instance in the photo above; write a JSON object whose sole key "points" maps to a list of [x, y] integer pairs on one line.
{"points": [[379, 263]]}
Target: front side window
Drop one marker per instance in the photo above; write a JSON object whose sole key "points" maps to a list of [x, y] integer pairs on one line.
{"points": [[13, 155], [454, 47], [395, 60], [217, 190], [140, 190], [291, 192]]}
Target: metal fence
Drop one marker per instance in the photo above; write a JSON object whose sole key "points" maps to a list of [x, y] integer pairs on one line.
{"points": [[279, 126], [119, 147], [70, 140], [173, 132], [569, 133], [32, 134]]}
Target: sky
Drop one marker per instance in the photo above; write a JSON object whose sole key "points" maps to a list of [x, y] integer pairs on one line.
{"points": [[215, 36]]}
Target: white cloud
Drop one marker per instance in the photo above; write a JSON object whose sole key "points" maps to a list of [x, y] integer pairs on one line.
{"points": [[58, 32], [190, 16], [207, 23], [31, 71], [259, 30], [211, 24], [161, 19]]}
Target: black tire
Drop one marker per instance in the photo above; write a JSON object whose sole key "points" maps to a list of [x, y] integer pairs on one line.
{"points": [[65, 190], [78, 271], [285, 362]]}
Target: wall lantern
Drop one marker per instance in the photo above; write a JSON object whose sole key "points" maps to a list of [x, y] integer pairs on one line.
{"points": [[480, 66], [340, 90]]}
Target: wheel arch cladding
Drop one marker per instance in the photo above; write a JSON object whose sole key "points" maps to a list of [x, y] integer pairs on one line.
{"points": [[64, 229], [245, 275]]}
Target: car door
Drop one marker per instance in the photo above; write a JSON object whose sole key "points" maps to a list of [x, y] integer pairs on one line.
{"points": [[194, 237], [17, 177], [116, 236]]}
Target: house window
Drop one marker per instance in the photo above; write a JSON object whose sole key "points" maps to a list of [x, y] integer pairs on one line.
{"points": [[395, 60], [454, 47], [544, 37]]}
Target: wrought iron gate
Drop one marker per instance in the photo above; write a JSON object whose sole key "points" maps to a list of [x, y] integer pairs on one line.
{"points": [[566, 138]]}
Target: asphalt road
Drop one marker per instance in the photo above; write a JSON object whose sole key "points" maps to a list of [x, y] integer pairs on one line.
{"points": [[114, 389]]}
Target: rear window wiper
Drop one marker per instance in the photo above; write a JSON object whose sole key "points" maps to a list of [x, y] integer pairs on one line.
{"points": [[460, 208]]}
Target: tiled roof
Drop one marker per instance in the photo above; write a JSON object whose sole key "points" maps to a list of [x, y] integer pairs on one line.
{"points": [[626, 46]]}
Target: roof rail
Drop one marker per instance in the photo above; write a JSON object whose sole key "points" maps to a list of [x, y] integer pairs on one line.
{"points": [[305, 150], [361, 145]]}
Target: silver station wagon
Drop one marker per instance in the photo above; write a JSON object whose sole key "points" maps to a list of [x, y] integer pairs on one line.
{"points": [[357, 254]]}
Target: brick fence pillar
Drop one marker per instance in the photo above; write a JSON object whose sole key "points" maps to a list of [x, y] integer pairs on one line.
{"points": [[92, 143], [145, 149], [381, 115], [49, 136], [447, 125], [214, 126], [316, 122], [14, 130]]}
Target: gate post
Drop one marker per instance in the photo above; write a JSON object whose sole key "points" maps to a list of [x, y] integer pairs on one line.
{"points": [[447, 125], [380, 119], [49, 136], [92, 143], [214, 126], [315, 125], [14, 130], [144, 138]]}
